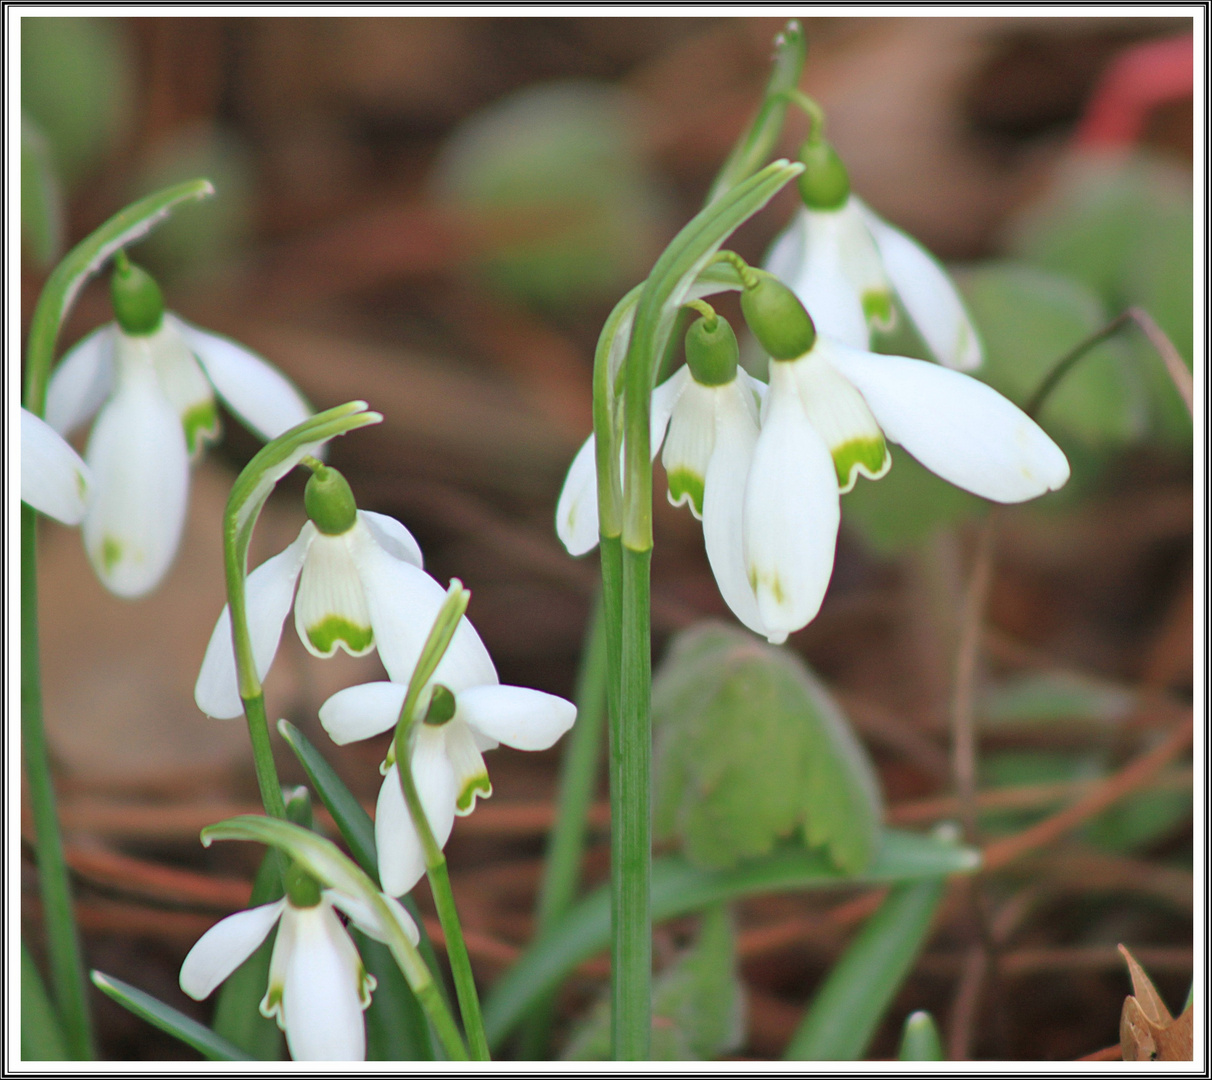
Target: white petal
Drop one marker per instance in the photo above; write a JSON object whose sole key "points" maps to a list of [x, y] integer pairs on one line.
{"points": [[863, 267], [785, 259], [724, 502], [401, 859], [54, 479], [140, 487], [791, 512], [956, 426], [689, 444], [181, 380], [393, 537], [367, 920], [224, 947], [577, 508], [664, 399], [822, 284], [928, 294], [322, 993], [467, 763], [268, 592], [358, 712], [81, 381], [263, 399], [522, 718]]}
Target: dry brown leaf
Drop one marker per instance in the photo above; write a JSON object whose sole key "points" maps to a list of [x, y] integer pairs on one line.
{"points": [[1147, 1031]]}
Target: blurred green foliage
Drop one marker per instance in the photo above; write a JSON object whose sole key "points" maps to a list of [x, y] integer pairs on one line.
{"points": [[41, 198]]}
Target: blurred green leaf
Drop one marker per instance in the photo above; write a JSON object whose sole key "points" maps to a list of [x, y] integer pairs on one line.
{"points": [[396, 1027], [847, 1009], [698, 1008], [1141, 819], [41, 1034], [1045, 697], [749, 748], [77, 82], [41, 197], [920, 1040]]}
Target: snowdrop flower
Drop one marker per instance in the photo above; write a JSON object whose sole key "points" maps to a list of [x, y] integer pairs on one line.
{"points": [[151, 379], [318, 986], [360, 586], [465, 710], [844, 262], [825, 418], [54, 479]]}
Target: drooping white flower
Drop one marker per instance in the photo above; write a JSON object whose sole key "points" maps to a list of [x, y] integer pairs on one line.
{"points": [[54, 479], [151, 379], [318, 986], [466, 711], [361, 586], [824, 421]]}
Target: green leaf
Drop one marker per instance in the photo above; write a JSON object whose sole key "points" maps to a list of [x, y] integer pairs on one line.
{"points": [[168, 1019], [41, 1034], [1046, 697], [849, 1006], [679, 888], [41, 197], [697, 1004], [396, 1028], [920, 1041], [1030, 318], [749, 749]]}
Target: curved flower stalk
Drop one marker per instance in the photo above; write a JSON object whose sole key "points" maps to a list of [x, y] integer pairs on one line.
{"points": [[318, 986], [55, 481], [846, 263], [151, 379]]}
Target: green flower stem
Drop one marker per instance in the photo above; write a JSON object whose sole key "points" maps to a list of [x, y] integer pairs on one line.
{"points": [[63, 940]]}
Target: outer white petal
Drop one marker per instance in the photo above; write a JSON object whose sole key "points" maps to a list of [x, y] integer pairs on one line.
{"points": [[664, 399], [322, 993], [928, 294], [785, 259], [577, 508], [264, 399], [823, 285], [393, 537], [140, 487], [358, 712], [367, 919], [401, 861], [331, 610], [82, 380], [957, 427], [268, 593], [724, 501], [791, 512], [522, 718], [54, 479], [225, 946]]}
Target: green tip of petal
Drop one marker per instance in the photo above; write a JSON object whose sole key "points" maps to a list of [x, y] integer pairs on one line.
{"points": [[334, 630], [879, 310], [111, 553], [201, 424], [685, 486], [867, 456], [476, 785]]}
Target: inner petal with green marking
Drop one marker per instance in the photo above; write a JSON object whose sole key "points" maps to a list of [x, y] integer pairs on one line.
{"points": [[331, 610], [689, 443], [201, 424], [879, 309], [470, 772]]}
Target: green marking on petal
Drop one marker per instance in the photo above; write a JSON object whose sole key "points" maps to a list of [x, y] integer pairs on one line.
{"points": [[366, 985], [867, 456], [271, 1004], [81, 484], [111, 553], [685, 486], [476, 785], [879, 309], [201, 424], [335, 630]]}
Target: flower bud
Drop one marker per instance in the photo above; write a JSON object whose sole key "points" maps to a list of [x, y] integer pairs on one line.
{"points": [[441, 706], [711, 351], [777, 318], [138, 303], [329, 502], [824, 184]]}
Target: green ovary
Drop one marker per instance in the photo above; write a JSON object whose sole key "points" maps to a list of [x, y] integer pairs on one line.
{"points": [[867, 456], [201, 423], [683, 485], [480, 785], [334, 630]]}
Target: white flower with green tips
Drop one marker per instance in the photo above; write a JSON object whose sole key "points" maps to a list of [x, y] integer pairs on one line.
{"points": [[151, 380], [464, 711], [55, 481], [318, 985], [360, 586], [846, 264]]}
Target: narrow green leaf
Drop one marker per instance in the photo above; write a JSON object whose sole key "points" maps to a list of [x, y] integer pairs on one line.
{"points": [[396, 1028], [41, 1035], [679, 889], [41, 197], [920, 1041], [168, 1019], [849, 1006]]}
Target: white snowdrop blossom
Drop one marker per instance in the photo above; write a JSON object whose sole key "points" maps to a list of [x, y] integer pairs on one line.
{"points": [[153, 395], [358, 588], [318, 986], [846, 263], [55, 481], [465, 711], [824, 420]]}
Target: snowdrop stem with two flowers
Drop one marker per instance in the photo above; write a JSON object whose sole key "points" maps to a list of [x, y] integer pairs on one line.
{"points": [[54, 302]]}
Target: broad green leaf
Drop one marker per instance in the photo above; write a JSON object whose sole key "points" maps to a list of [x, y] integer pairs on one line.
{"points": [[678, 888], [698, 1008], [750, 749], [848, 1008], [41, 197], [168, 1019], [1029, 319], [920, 1040], [41, 1034]]}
